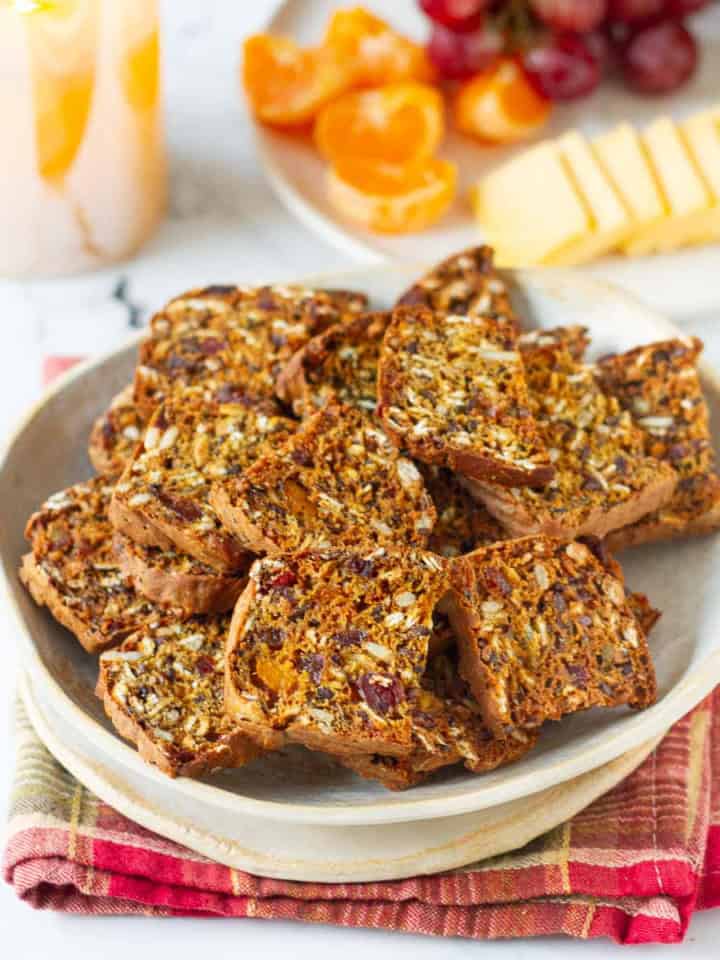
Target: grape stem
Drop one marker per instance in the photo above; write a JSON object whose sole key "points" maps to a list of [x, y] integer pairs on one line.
{"points": [[517, 24]]}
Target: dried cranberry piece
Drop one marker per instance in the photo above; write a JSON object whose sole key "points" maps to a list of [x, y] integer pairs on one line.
{"points": [[301, 457], [185, 509], [676, 452], [272, 636], [232, 393], [578, 674], [381, 693], [204, 665], [313, 663], [361, 567], [349, 638], [285, 579], [495, 580], [211, 345]]}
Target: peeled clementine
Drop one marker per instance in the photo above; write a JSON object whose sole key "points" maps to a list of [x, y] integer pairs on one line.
{"points": [[500, 105], [286, 84], [399, 124], [375, 53], [389, 200]]}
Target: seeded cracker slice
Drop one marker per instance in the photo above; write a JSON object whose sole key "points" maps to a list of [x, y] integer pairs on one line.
{"points": [[462, 523], [338, 481], [545, 630], [326, 646], [115, 434], [162, 498], [448, 728], [341, 362], [574, 338], [163, 690], [467, 284], [660, 387], [169, 578], [73, 572], [452, 392], [603, 480], [238, 335]]}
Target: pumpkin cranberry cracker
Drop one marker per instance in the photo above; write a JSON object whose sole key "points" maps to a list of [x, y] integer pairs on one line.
{"points": [[237, 335], [575, 339], [603, 478], [448, 728], [467, 284], [342, 362], [338, 481], [170, 578], [660, 387], [325, 648], [162, 498], [545, 630], [462, 523], [163, 690], [72, 569], [452, 392], [115, 434]]}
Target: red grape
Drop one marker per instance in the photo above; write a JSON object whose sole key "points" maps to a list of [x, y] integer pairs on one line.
{"points": [[576, 16], [683, 8], [659, 58], [634, 11], [461, 55], [563, 68], [458, 15]]}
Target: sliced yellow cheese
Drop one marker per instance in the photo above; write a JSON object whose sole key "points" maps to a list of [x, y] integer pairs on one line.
{"points": [[701, 134], [530, 209], [687, 198], [610, 221], [622, 157]]}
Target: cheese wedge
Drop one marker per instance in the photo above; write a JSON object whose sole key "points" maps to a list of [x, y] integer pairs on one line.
{"points": [[687, 198], [701, 134], [622, 157], [609, 218], [530, 209]]}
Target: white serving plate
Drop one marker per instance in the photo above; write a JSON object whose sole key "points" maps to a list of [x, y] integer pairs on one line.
{"points": [[310, 852], [297, 172], [297, 787]]}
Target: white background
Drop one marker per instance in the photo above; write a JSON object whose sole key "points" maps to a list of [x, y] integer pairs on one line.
{"points": [[224, 226]]}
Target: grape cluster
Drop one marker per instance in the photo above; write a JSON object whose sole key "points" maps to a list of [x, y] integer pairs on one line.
{"points": [[566, 46]]}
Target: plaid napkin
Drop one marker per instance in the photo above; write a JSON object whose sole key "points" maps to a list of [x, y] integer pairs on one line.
{"points": [[633, 866]]}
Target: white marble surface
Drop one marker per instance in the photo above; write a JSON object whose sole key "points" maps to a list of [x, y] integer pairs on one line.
{"points": [[224, 225]]}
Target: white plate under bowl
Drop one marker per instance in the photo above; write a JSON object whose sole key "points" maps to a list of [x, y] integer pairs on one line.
{"points": [[298, 173], [311, 852], [298, 787]]}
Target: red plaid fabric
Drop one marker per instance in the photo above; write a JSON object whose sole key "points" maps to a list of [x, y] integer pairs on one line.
{"points": [[633, 866]]}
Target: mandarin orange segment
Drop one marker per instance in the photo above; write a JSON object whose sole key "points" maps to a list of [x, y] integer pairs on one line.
{"points": [[389, 200], [286, 84], [500, 105], [400, 124], [374, 51]]}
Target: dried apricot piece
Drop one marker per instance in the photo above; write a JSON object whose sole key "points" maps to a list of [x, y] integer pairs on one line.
{"points": [[287, 84], [374, 51], [399, 124], [389, 200], [500, 104]]}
